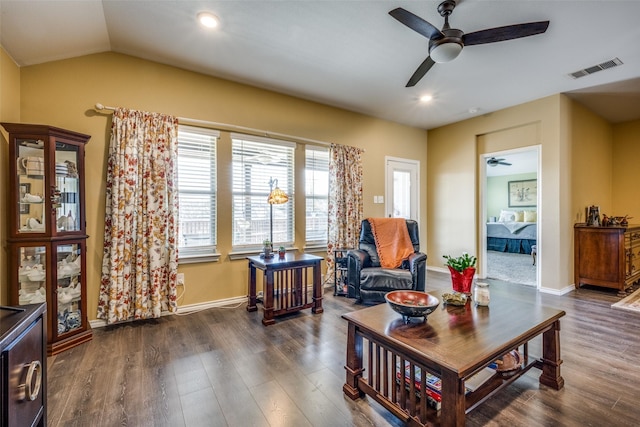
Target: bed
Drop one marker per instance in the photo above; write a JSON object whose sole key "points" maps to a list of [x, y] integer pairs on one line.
{"points": [[512, 236]]}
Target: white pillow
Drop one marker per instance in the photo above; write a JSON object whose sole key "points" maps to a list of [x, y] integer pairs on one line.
{"points": [[530, 216], [507, 216]]}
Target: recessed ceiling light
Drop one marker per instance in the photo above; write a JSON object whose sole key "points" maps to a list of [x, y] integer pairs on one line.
{"points": [[426, 98], [208, 19], [473, 110]]}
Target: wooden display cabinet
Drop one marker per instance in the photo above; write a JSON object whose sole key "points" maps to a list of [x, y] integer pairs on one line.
{"points": [[47, 229], [607, 256]]}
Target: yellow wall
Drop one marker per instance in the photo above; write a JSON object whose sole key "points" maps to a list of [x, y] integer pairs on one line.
{"points": [[63, 94], [592, 154], [578, 152], [9, 88], [9, 112], [626, 174], [452, 165]]}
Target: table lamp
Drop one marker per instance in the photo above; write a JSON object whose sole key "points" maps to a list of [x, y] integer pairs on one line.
{"points": [[276, 197]]}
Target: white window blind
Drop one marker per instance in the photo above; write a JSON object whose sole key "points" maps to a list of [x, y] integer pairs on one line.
{"points": [[316, 176], [255, 162], [197, 191]]}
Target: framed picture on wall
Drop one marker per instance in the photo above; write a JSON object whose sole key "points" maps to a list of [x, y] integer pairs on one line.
{"points": [[523, 194]]}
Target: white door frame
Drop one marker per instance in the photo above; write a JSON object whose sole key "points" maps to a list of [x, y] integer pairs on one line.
{"points": [[482, 215], [388, 187]]}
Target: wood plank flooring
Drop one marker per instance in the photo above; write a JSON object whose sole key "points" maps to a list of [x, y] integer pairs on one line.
{"points": [[222, 367]]}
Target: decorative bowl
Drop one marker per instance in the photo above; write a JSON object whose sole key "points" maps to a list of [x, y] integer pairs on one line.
{"points": [[412, 303]]}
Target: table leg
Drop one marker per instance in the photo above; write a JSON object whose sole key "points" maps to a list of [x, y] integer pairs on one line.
{"points": [[453, 400], [251, 303], [551, 360], [354, 364], [297, 294], [268, 298], [317, 289]]}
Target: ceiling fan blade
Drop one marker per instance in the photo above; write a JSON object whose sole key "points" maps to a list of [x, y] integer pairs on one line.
{"points": [[416, 23], [508, 32], [421, 71]]}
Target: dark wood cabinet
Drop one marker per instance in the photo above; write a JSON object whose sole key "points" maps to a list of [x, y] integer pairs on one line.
{"points": [[607, 256], [23, 366], [47, 230]]}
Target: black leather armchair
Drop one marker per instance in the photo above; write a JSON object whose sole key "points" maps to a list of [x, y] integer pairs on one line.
{"points": [[369, 282]]}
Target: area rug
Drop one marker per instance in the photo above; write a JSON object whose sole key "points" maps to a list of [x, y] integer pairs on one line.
{"points": [[509, 267], [630, 302]]}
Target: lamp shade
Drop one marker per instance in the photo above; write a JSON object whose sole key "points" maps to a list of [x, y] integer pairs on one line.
{"points": [[277, 197]]}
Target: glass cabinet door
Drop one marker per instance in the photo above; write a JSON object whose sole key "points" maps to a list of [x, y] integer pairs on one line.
{"points": [[30, 180], [66, 189], [69, 287], [32, 275]]}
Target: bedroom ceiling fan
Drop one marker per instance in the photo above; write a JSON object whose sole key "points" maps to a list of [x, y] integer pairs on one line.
{"points": [[446, 44], [493, 162]]}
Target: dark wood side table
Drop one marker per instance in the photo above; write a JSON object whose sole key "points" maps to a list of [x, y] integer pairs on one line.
{"points": [[286, 284], [340, 271]]}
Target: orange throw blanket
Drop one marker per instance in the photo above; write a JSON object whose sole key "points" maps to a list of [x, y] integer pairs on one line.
{"points": [[392, 240]]}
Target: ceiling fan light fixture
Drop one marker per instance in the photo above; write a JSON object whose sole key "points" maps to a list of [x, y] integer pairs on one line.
{"points": [[445, 52]]}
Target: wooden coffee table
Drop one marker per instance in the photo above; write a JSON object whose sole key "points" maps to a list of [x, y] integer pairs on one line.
{"points": [[453, 344]]}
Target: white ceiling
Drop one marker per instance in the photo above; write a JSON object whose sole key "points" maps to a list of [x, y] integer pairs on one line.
{"points": [[352, 54]]}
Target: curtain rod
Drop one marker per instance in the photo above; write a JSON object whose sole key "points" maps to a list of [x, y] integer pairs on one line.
{"points": [[227, 126]]}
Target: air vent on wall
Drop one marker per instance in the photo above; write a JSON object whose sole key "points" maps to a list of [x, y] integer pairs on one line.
{"points": [[594, 69]]}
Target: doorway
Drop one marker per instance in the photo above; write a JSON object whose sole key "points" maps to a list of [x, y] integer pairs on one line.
{"points": [[509, 215], [402, 187]]}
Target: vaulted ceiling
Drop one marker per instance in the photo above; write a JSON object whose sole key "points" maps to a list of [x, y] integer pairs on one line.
{"points": [[353, 54]]}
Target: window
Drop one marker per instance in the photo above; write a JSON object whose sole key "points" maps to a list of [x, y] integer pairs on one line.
{"points": [[197, 192], [316, 179], [255, 162]]}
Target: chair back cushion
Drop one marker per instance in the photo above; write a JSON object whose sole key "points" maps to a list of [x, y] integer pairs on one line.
{"points": [[368, 243]]}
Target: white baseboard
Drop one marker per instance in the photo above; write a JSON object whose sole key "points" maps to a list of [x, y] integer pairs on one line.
{"points": [[558, 292], [184, 309]]}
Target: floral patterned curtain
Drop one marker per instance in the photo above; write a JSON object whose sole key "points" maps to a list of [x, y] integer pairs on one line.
{"points": [[140, 257], [345, 200]]}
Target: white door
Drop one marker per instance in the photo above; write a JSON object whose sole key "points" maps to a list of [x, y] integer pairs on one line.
{"points": [[402, 188]]}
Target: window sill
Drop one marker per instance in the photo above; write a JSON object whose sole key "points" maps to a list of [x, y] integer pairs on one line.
{"points": [[236, 255], [243, 254], [322, 247], [194, 259]]}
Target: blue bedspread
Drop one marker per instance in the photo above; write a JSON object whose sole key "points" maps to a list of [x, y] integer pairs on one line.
{"points": [[501, 238]]}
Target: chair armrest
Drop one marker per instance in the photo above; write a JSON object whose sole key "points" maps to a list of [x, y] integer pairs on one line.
{"points": [[416, 258], [356, 260], [418, 268]]}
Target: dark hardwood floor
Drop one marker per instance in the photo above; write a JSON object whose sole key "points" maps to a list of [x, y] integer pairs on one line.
{"points": [[222, 367]]}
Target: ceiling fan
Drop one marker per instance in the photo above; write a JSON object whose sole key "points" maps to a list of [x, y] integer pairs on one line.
{"points": [[446, 44], [493, 162]]}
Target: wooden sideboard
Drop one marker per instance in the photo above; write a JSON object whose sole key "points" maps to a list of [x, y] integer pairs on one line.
{"points": [[23, 366], [607, 256]]}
